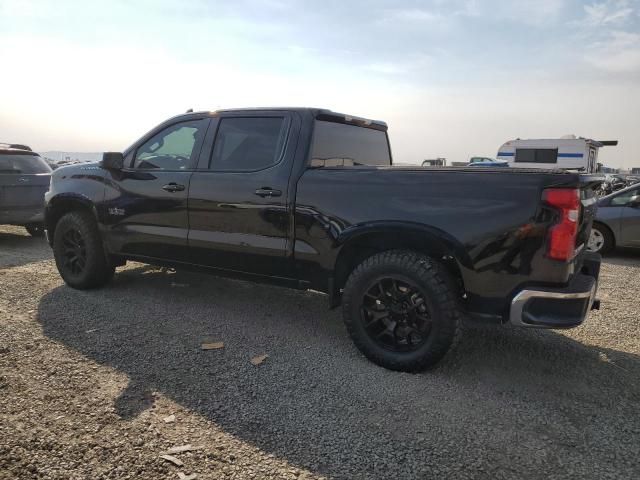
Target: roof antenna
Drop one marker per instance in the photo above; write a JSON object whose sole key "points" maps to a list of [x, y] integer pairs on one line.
{"points": [[190, 110]]}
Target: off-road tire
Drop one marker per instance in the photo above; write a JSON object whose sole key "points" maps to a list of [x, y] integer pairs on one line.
{"points": [[97, 271], [440, 293]]}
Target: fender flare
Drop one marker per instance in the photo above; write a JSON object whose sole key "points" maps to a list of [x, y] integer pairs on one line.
{"points": [[434, 239], [65, 197]]}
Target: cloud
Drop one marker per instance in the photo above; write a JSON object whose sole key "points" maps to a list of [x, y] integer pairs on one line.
{"points": [[620, 53], [415, 15], [607, 13]]}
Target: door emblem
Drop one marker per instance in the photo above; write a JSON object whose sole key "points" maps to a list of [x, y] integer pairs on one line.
{"points": [[116, 211], [23, 179]]}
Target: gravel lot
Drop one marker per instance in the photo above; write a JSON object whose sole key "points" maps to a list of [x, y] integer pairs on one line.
{"points": [[87, 379]]}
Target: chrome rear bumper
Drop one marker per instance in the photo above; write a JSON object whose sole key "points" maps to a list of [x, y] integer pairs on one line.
{"points": [[560, 308]]}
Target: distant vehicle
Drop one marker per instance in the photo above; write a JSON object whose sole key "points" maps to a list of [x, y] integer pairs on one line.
{"points": [[567, 153], [24, 179], [435, 162], [489, 163], [617, 221], [481, 160], [51, 163]]}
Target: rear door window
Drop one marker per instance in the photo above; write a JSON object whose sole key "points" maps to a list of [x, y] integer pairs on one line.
{"points": [[339, 144], [23, 164], [248, 144]]}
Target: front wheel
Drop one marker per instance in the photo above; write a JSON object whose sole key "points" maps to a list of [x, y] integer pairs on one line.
{"points": [[401, 310], [78, 251]]}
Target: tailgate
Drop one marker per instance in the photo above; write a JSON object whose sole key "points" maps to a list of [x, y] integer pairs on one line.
{"points": [[22, 191]]}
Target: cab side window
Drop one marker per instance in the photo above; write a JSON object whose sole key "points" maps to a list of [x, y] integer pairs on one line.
{"points": [[174, 148], [249, 144]]}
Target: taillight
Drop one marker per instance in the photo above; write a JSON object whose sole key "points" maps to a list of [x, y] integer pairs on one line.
{"points": [[562, 235]]}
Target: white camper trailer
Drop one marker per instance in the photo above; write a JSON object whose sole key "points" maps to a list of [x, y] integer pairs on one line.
{"points": [[569, 153]]}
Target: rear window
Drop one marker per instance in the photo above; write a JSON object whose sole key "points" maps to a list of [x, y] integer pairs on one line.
{"points": [[23, 164], [338, 144], [536, 155]]}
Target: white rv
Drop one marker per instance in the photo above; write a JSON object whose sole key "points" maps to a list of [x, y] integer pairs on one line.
{"points": [[569, 152]]}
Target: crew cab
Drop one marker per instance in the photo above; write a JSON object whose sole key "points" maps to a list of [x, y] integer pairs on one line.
{"points": [[309, 199]]}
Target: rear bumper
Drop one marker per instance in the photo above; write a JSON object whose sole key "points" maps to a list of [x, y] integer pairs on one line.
{"points": [[565, 307], [22, 216]]}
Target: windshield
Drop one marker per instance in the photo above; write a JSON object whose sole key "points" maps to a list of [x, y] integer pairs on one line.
{"points": [[23, 164]]}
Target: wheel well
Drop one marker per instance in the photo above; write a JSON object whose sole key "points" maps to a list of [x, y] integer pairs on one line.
{"points": [[61, 207], [365, 246]]}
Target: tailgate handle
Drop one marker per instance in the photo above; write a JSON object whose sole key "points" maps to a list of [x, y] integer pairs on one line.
{"points": [[268, 192]]}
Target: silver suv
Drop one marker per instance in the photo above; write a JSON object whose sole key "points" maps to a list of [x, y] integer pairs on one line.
{"points": [[24, 179]]}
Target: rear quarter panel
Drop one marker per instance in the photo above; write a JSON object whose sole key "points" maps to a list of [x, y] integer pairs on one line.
{"points": [[493, 224]]}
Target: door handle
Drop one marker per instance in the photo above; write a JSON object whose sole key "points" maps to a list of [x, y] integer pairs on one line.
{"points": [[268, 192], [173, 187]]}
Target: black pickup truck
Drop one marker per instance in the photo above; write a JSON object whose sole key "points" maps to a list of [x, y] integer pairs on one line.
{"points": [[309, 199]]}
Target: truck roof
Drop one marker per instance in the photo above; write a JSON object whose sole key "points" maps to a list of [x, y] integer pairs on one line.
{"points": [[318, 113]]}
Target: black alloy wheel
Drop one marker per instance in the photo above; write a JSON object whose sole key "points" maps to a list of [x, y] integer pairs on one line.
{"points": [[395, 314], [74, 252]]}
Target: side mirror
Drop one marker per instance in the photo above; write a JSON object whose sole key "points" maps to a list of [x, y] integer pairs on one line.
{"points": [[112, 160], [634, 201]]}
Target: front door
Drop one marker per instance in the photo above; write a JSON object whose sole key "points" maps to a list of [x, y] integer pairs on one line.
{"points": [[145, 206], [239, 211], [630, 223]]}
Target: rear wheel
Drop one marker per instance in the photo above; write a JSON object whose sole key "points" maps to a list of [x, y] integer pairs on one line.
{"points": [[401, 310], [78, 251], [35, 229], [600, 240]]}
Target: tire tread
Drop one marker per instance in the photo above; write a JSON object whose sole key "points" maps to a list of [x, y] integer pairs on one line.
{"points": [[100, 272]]}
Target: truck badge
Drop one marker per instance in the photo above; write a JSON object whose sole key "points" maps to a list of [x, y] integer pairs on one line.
{"points": [[116, 211]]}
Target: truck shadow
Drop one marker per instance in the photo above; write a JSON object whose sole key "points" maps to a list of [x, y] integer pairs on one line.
{"points": [[319, 404]]}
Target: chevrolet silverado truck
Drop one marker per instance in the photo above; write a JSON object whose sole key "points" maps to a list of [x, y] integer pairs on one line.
{"points": [[308, 199]]}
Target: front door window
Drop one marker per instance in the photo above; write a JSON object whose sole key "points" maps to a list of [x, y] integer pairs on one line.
{"points": [[174, 148]]}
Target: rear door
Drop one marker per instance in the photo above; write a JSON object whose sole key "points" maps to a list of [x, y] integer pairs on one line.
{"points": [[239, 212], [24, 179], [145, 207]]}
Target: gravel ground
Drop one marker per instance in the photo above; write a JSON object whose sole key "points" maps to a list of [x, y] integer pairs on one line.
{"points": [[87, 379]]}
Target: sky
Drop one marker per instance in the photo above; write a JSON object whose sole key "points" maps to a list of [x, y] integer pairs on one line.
{"points": [[452, 78]]}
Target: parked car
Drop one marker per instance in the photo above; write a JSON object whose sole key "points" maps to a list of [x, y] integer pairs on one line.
{"points": [[481, 160], [489, 163], [308, 199], [24, 179], [617, 222]]}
